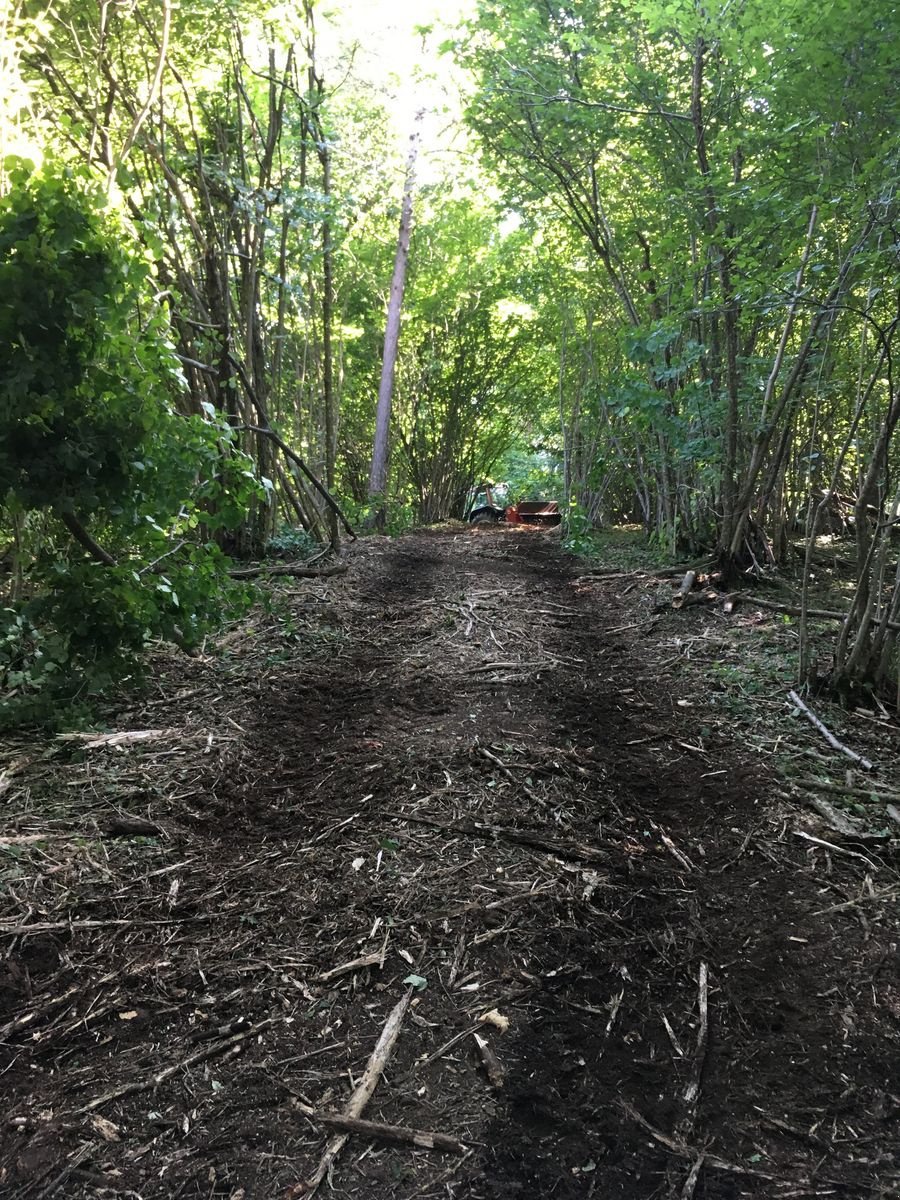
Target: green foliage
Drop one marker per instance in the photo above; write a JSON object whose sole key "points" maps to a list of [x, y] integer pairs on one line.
{"points": [[291, 542], [671, 155], [89, 435], [531, 474], [579, 532]]}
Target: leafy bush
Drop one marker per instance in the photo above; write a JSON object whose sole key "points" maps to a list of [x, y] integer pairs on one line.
{"points": [[291, 542], [90, 435]]}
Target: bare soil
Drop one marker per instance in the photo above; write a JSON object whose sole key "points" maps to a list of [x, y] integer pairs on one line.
{"points": [[486, 768]]}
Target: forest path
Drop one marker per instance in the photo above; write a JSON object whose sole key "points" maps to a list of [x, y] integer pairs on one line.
{"points": [[480, 772]]}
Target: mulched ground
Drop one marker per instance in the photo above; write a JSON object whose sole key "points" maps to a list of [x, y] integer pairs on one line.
{"points": [[472, 767]]}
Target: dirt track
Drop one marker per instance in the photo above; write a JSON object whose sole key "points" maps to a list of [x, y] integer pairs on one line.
{"points": [[485, 775]]}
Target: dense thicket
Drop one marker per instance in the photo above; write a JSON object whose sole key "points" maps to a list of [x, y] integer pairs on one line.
{"points": [[725, 180], [230, 312]]}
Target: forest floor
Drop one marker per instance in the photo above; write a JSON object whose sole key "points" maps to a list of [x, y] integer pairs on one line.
{"points": [[471, 785]]}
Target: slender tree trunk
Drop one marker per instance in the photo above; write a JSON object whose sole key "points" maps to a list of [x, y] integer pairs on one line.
{"points": [[378, 471]]}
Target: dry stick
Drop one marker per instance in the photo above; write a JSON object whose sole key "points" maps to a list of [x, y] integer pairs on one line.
{"points": [[267, 431], [829, 736], [878, 898], [375, 959], [794, 610], [74, 1162], [690, 1183], [567, 850], [55, 926], [840, 822], [362, 1093], [808, 837], [434, 1184], [504, 769], [841, 789], [446, 1048], [298, 571], [20, 1022], [686, 584], [390, 1133], [684, 1151], [491, 1063], [692, 1091], [146, 1085]]}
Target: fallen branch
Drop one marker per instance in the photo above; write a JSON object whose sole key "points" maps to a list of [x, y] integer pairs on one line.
{"points": [[690, 1184], [829, 737], [388, 1133], [504, 769], [882, 897], [794, 610], [295, 570], [577, 851], [84, 539], [151, 1084], [96, 741], [808, 837], [362, 1093], [840, 822], [842, 789], [267, 431], [121, 923], [686, 585], [84, 1151], [692, 1091], [684, 1151]]}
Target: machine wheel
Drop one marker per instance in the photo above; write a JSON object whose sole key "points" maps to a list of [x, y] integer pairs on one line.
{"points": [[484, 517]]}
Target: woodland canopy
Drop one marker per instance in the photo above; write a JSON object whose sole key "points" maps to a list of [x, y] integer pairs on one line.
{"points": [[651, 271]]}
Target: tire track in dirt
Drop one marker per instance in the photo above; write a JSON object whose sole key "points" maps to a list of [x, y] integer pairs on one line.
{"points": [[776, 1050], [475, 687]]}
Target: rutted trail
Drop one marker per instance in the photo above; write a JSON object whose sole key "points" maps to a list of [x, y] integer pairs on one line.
{"points": [[485, 782]]}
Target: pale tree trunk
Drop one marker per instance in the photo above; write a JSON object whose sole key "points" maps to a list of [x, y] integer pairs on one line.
{"points": [[378, 471]]}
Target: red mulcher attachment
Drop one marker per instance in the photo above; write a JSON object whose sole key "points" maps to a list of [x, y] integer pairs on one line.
{"points": [[534, 512]]}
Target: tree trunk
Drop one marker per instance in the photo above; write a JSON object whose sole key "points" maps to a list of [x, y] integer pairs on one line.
{"points": [[378, 471]]}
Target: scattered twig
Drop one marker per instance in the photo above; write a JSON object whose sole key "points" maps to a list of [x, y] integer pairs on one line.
{"points": [[446, 1047], [840, 822], [563, 849], [296, 570], [690, 1184], [673, 849], [504, 769], [881, 897], [151, 1084], [389, 1133], [375, 959], [873, 792], [829, 737], [808, 837], [684, 1151], [794, 610], [493, 1068], [692, 1091], [74, 1162], [97, 741], [361, 1095], [56, 926]]}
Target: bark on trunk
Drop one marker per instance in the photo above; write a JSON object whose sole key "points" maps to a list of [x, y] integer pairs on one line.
{"points": [[378, 471]]}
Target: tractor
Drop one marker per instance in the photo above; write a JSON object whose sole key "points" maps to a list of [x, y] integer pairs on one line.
{"points": [[483, 510]]}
